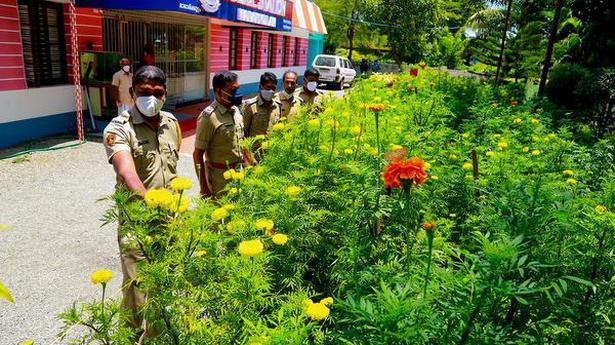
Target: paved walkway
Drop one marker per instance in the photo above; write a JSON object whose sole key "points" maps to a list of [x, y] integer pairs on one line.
{"points": [[56, 240]]}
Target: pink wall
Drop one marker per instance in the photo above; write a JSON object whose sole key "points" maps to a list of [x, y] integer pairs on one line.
{"points": [[12, 76], [218, 48], [243, 49]]}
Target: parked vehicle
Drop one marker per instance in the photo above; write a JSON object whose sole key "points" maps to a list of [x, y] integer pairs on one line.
{"points": [[335, 70]]}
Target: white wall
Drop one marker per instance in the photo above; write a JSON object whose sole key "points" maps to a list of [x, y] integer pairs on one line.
{"points": [[31, 103]]}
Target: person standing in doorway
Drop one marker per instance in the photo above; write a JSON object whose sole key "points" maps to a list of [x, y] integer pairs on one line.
{"points": [[122, 87]]}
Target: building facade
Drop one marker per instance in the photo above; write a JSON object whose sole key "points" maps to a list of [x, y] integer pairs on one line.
{"points": [[36, 78]]}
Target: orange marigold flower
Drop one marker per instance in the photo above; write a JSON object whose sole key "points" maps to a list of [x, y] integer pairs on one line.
{"points": [[412, 170], [375, 107], [428, 226]]}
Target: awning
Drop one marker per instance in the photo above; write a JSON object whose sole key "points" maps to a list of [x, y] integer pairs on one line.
{"points": [[272, 14], [307, 15]]}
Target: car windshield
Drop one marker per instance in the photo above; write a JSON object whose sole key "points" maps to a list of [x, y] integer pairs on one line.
{"points": [[325, 61]]}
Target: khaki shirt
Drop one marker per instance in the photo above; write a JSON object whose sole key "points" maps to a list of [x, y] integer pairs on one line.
{"points": [[219, 132], [123, 82], [258, 116], [155, 151], [290, 105], [313, 99]]}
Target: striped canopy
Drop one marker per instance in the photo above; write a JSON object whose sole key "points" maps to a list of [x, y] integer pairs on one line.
{"points": [[307, 15]]}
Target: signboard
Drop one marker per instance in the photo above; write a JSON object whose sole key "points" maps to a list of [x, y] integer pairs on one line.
{"points": [[273, 14]]}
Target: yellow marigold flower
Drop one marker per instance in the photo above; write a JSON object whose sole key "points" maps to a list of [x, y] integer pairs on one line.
{"points": [[317, 311], [601, 209], [314, 123], [453, 157], [571, 181], [228, 174], [568, 172], [534, 121], [259, 169], [465, 135], [434, 177], [265, 145], [238, 175], [264, 225], [517, 121], [229, 207], [293, 191], [234, 191], [279, 239], [179, 206], [101, 276], [283, 118], [395, 147], [278, 126], [219, 214], [526, 149], [356, 130], [326, 301], [333, 123], [348, 151], [467, 166], [235, 225], [502, 144], [489, 153], [250, 248], [426, 165], [158, 198], [180, 184], [259, 137], [536, 152], [200, 253], [308, 302]]}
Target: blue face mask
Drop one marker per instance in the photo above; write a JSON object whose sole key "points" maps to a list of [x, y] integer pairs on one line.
{"points": [[235, 97]]}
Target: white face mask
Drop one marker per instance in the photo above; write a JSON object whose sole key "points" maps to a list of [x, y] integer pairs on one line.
{"points": [[149, 106], [311, 86], [267, 95], [126, 68]]}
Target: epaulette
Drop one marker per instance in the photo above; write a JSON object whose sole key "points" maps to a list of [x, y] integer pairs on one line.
{"points": [[122, 118], [207, 111], [169, 115], [251, 101]]}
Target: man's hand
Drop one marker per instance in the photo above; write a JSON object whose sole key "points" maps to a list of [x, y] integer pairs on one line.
{"points": [[125, 169]]}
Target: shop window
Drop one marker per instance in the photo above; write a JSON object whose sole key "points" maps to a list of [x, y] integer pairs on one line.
{"points": [[44, 49], [253, 50], [270, 48], [285, 52], [296, 62], [233, 49]]}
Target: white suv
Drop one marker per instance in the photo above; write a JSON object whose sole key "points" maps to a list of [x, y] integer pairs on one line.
{"points": [[334, 70]]}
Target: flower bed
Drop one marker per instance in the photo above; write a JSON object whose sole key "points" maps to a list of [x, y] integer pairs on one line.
{"points": [[397, 216]]}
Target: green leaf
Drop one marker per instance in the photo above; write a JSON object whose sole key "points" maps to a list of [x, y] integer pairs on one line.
{"points": [[581, 281], [4, 293]]}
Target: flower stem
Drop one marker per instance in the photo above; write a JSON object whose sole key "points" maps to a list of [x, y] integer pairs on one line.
{"points": [[377, 132], [430, 236]]}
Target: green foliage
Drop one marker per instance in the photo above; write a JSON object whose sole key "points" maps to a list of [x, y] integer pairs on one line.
{"points": [[520, 254], [447, 50]]}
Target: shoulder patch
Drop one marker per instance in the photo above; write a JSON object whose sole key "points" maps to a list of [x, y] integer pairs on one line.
{"points": [[110, 139], [207, 111], [252, 100]]}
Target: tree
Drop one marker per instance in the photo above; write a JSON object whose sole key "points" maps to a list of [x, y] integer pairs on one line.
{"points": [[410, 26], [550, 44]]}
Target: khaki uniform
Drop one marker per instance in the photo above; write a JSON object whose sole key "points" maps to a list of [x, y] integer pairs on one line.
{"points": [[155, 153], [258, 116], [290, 105], [313, 99], [219, 133]]}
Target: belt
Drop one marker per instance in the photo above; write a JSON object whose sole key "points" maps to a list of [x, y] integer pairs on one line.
{"points": [[223, 166]]}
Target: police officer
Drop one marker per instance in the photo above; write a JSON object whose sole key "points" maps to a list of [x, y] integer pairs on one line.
{"points": [[262, 111], [290, 103], [309, 94], [219, 134], [143, 145]]}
